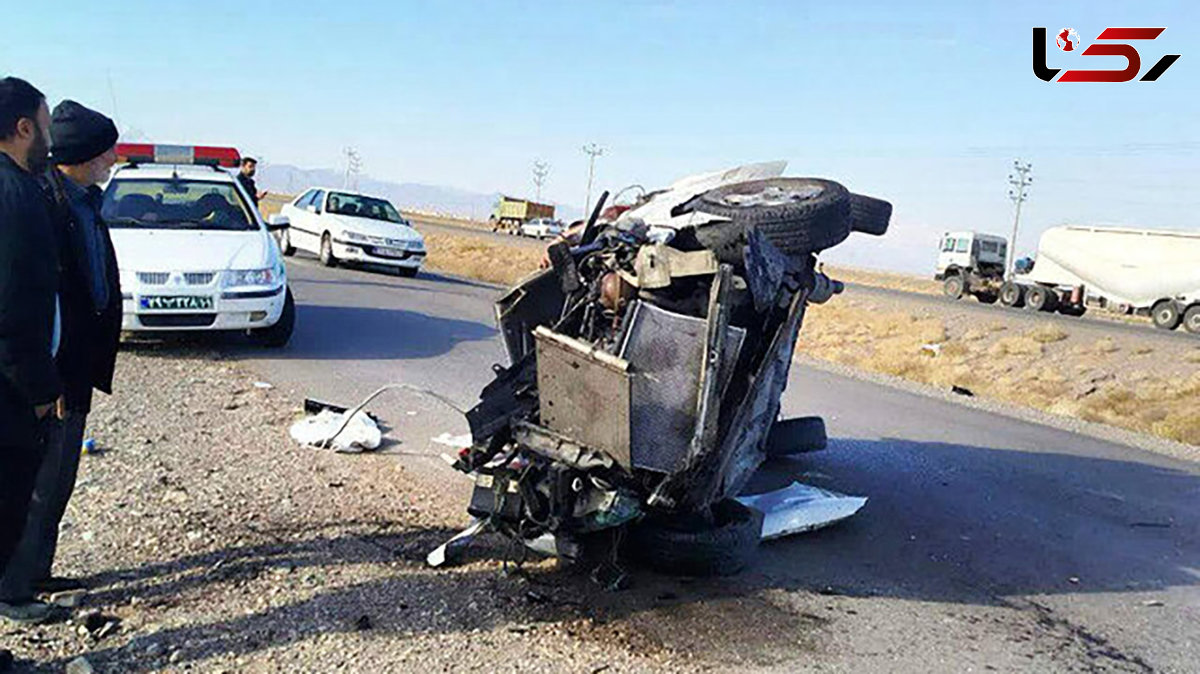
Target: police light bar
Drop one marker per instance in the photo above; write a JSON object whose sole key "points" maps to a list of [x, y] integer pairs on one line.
{"points": [[142, 153]]}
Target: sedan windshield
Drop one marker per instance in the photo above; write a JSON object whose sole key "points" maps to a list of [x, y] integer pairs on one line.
{"points": [[363, 207], [175, 204]]}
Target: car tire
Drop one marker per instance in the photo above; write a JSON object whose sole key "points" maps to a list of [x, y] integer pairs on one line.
{"points": [[1191, 319], [954, 286], [818, 220], [869, 215], [796, 436], [1166, 314], [327, 257], [278, 335], [1012, 294], [285, 244], [692, 545]]}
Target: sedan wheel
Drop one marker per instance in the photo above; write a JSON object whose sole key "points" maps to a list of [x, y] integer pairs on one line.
{"points": [[327, 257]]}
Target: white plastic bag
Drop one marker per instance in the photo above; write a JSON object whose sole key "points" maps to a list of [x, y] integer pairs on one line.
{"points": [[362, 433]]}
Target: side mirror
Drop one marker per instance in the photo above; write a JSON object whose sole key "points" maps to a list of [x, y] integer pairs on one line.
{"points": [[278, 223]]}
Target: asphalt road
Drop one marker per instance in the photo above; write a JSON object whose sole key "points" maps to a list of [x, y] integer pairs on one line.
{"points": [[987, 541]]}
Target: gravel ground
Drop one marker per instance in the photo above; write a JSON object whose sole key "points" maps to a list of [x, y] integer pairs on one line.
{"points": [[213, 543]]}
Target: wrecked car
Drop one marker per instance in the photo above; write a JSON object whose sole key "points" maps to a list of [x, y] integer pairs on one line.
{"points": [[646, 367]]}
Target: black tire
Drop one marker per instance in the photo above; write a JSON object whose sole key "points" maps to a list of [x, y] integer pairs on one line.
{"points": [[285, 244], [278, 335], [1075, 310], [801, 226], [954, 286], [327, 257], [686, 545], [1191, 319], [1166, 314], [1012, 294], [869, 215], [796, 436], [1040, 298], [987, 297]]}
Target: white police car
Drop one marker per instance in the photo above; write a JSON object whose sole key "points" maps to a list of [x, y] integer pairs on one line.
{"points": [[193, 251]]}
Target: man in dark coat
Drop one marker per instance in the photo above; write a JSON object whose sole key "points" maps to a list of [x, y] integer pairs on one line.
{"points": [[83, 150], [29, 318], [246, 178]]}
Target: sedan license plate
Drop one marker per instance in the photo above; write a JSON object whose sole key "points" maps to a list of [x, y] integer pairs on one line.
{"points": [[176, 303], [383, 251]]}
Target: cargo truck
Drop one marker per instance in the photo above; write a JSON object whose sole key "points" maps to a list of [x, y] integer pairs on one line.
{"points": [[511, 213], [1147, 272]]}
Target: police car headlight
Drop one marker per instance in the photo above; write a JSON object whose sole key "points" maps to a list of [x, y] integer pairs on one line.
{"points": [[251, 277], [353, 236]]}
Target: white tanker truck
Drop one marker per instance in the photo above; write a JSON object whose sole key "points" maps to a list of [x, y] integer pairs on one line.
{"points": [[1134, 271]]}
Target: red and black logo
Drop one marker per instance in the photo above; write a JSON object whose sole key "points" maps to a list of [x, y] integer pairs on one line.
{"points": [[1068, 41]]}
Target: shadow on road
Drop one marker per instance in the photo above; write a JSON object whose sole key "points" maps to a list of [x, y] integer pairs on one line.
{"points": [[1017, 523]]}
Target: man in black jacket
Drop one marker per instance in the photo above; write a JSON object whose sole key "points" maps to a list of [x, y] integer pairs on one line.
{"points": [[83, 150], [29, 317]]}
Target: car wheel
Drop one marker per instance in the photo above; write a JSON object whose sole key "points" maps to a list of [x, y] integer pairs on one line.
{"points": [[953, 287], [1012, 294], [278, 335], [719, 543], [1191, 319], [285, 244], [327, 257], [799, 215], [1166, 314]]}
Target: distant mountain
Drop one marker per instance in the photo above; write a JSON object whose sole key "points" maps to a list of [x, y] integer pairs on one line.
{"points": [[284, 179]]}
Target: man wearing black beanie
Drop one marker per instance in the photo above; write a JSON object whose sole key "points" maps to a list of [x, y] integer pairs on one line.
{"points": [[83, 150]]}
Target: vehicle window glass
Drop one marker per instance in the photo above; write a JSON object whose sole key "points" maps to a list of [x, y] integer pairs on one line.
{"points": [[363, 207], [988, 246], [303, 199], [317, 198], [175, 203], [963, 245], [948, 245]]}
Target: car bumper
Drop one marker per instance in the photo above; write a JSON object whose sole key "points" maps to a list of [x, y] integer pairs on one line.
{"points": [[231, 310], [367, 253]]}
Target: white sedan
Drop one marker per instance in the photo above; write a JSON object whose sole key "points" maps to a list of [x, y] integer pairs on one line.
{"points": [[344, 226], [542, 228]]}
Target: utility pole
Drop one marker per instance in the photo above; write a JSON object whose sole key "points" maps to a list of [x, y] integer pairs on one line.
{"points": [[592, 151], [353, 166], [1019, 180], [540, 170]]}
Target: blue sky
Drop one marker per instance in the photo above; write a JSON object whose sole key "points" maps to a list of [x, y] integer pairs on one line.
{"points": [[925, 104]]}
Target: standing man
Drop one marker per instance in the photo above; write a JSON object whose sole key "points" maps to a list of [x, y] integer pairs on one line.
{"points": [[246, 178], [82, 144], [29, 317]]}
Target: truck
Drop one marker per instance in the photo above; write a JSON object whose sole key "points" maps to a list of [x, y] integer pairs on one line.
{"points": [[1145, 272], [972, 263], [511, 213]]}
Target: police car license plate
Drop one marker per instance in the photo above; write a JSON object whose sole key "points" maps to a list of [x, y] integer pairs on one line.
{"points": [[176, 303]]}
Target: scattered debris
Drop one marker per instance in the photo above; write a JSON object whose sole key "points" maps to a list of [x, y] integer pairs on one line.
{"points": [[363, 623], [455, 441], [263, 385], [798, 508], [962, 391], [931, 349], [1074, 580], [333, 430], [1153, 602]]}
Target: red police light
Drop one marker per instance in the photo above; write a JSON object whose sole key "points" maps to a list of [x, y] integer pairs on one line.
{"points": [[143, 153]]}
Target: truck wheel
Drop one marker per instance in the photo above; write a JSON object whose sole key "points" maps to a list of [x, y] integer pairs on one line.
{"points": [[1166, 314], [954, 286], [694, 545], [987, 297], [798, 215], [1012, 294], [1040, 298], [1191, 319], [1075, 310]]}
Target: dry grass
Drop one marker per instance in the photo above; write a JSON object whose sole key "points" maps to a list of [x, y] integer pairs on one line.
{"points": [[480, 257], [882, 279]]}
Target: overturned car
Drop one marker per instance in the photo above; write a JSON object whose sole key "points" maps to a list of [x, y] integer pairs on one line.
{"points": [[646, 368]]}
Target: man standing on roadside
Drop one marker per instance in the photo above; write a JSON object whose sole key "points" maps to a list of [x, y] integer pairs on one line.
{"points": [[29, 317], [82, 144], [246, 178]]}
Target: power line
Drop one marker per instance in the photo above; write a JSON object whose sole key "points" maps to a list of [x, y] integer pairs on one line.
{"points": [[540, 170], [592, 150], [1019, 182]]}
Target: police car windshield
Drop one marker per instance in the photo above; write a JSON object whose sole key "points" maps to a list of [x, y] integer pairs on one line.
{"points": [[363, 207], [175, 204]]}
